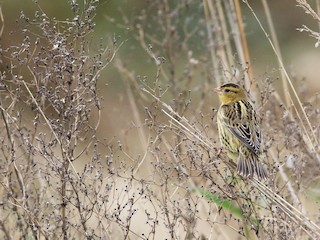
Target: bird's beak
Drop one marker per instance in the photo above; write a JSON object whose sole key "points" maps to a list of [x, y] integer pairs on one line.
{"points": [[217, 90]]}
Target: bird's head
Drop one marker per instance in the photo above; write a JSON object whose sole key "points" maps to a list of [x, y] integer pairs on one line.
{"points": [[230, 92]]}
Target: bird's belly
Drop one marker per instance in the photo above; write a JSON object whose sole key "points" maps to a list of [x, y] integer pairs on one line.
{"points": [[231, 143]]}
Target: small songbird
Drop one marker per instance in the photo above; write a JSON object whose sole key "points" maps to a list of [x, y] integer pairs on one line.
{"points": [[239, 130]]}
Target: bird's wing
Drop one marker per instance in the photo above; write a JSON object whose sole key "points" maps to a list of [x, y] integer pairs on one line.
{"points": [[240, 118]]}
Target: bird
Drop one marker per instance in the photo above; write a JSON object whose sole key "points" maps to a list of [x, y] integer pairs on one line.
{"points": [[239, 130]]}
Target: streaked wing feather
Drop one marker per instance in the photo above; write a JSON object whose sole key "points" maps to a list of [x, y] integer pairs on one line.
{"points": [[242, 124]]}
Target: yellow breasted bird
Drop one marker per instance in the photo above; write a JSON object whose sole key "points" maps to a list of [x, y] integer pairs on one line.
{"points": [[239, 130]]}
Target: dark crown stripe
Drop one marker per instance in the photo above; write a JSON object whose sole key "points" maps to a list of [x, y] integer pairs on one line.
{"points": [[230, 85]]}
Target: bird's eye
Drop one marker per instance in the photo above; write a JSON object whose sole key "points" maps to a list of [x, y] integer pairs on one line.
{"points": [[227, 90]]}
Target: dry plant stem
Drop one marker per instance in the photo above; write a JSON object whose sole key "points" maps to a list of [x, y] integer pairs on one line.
{"points": [[157, 60], [282, 173], [318, 12], [229, 7], [287, 182], [294, 214], [34, 221], [2, 20], [141, 133], [316, 15], [277, 47], [191, 182], [216, 24], [13, 157], [225, 33], [195, 132], [148, 49], [244, 43], [128, 74], [315, 142], [308, 9], [5, 116], [211, 42], [49, 125]]}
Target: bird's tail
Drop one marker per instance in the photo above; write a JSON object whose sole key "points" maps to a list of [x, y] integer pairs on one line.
{"points": [[247, 166]]}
